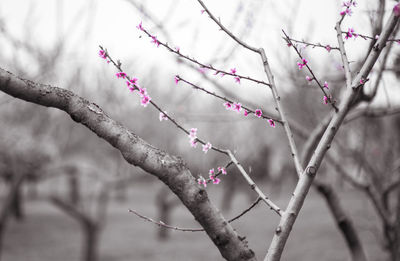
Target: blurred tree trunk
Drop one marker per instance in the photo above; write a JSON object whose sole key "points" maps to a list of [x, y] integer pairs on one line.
{"points": [[165, 207], [91, 244], [9, 205]]}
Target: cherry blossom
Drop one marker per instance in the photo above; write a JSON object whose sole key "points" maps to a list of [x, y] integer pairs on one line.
{"points": [[215, 180], [177, 79], [246, 113], [222, 170], [193, 143], [163, 116], [237, 79], [145, 100], [121, 75], [228, 105], [326, 85], [142, 92], [271, 123], [202, 181], [233, 70], [302, 64], [328, 48], [103, 54], [155, 41], [139, 26], [325, 99], [350, 33], [193, 133], [237, 107], [207, 147], [258, 113], [308, 78]]}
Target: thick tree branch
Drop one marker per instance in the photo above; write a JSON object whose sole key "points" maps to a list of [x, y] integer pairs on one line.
{"points": [[169, 169]]}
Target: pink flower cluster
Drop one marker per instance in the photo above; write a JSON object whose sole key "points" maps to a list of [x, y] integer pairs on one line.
{"points": [[193, 137], [103, 54], [193, 140], [347, 5], [302, 64], [131, 83], [350, 33], [212, 177]]}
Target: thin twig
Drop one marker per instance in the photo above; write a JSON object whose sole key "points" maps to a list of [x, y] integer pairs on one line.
{"points": [[328, 96], [202, 65], [253, 186], [327, 47], [343, 54], [162, 224], [267, 117]]}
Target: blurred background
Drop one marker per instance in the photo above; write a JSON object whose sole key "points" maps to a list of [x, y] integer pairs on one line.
{"points": [[65, 193]]}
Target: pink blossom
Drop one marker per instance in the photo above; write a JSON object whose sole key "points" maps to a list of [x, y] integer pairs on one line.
{"points": [[302, 64], [237, 107], [103, 54], [203, 70], [398, 41], [308, 78], [120, 75], [177, 79], [350, 33], [155, 41], [207, 147], [222, 170], [377, 36], [326, 85], [139, 26], [228, 105], [258, 113], [177, 49], [396, 10], [193, 133], [215, 180], [202, 11], [233, 70], [202, 181], [271, 123], [237, 79], [289, 44], [163, 116], [362, 81], [328, 48], [145, 100], [211, 171], [142, 92], [325, 99], [131, 82], [246, 113], [193, 143]]}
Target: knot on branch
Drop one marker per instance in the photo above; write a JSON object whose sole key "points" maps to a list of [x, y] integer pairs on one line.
{"points": [[311, 171]]}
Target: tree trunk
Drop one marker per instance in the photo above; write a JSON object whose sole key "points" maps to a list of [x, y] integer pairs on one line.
{"points": [[90, 246], [8, 205]]}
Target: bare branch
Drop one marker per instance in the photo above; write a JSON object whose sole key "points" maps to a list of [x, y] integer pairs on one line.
{"points": [[162, 224]]}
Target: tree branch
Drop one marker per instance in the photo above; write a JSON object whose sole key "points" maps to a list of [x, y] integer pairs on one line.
{"points": [[169, 169]]}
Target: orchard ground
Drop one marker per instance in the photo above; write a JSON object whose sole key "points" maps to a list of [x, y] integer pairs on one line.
{"points": [[48, 234]]}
